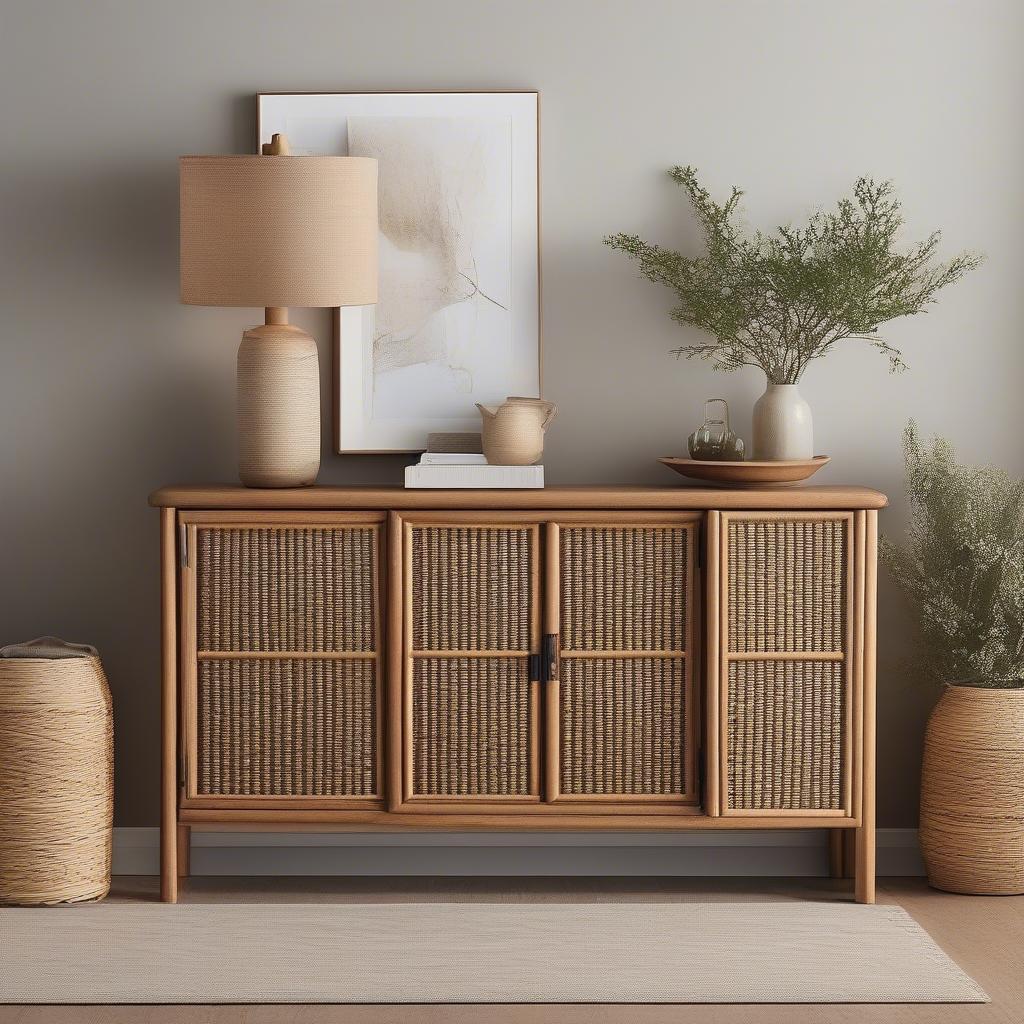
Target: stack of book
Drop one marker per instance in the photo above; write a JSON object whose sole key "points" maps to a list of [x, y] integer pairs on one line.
{"points": [[468, 469]]}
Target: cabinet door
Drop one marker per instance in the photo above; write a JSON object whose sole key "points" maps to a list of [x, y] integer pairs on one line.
{"points": [[785, 674], [280, 660], [471, 622], [622, 715]]}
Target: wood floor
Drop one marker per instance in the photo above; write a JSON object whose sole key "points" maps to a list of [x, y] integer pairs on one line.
{"points": [[985, 935]]}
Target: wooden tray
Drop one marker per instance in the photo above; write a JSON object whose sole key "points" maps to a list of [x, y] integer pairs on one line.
{"points": [[747, 474]]}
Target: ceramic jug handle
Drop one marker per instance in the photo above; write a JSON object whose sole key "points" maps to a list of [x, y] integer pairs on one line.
{"points": [[552, 413]]}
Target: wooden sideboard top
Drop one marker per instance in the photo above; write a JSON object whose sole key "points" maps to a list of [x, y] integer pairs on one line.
{"points": [[235, 496]]}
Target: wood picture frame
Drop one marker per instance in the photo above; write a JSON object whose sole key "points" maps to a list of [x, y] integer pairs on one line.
{"points": [[421, 359]]}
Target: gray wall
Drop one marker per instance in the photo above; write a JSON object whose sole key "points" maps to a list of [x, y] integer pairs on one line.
{"points": [[109, 387]]}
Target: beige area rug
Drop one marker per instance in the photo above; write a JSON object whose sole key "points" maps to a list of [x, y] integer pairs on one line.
{"points": [[474, 953]]}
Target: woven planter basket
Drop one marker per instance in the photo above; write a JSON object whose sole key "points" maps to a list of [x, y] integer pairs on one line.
{"points": [[56, 780], [972, 792]]}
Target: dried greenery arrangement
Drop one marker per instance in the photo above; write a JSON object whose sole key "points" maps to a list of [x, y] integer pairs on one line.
{"points": [[778, 301], [963, 568]]}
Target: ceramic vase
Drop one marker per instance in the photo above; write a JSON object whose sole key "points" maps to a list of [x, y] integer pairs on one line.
{"points": [[783, 429], [972, 792]]}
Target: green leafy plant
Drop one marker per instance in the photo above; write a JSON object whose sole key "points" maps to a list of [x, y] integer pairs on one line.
{"points": [[778, 301], [963, 568]]}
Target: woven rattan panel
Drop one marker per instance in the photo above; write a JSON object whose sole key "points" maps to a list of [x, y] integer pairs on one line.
{"points": [[471, 726], [286, 589], [471, 588], [269, 727], [622, 725], [785, 735], [787, 585], [623, 588]]}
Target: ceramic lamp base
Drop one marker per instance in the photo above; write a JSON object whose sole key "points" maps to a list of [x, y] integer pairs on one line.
{"points": [[278, 407]]}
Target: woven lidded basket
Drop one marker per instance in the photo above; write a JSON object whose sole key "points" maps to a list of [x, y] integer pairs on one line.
{"points": [[56, 774]]}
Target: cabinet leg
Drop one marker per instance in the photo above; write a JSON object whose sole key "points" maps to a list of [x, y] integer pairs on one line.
{"points": [[169, 710], [836, 853], [184, 850], [168, 858], [864, 877]]}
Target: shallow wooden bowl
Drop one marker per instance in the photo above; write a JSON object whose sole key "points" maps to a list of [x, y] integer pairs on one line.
{"points": [[747, 474]]}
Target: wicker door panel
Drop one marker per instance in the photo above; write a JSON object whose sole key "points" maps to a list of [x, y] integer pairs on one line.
{"points": [[471, 727], [787, 585], [625, 727], [622, 726], [280, 660], [624, 588], [785, 734], [785, 681], [287, 727], [471, 597], [471, 588], [286, 589]]}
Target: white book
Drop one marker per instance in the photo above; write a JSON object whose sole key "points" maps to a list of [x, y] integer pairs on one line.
{"points": [[474, 476], [452, 459]]}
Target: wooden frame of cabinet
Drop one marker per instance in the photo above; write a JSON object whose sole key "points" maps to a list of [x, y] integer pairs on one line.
{"points": [[191, 656], [687, 798], [705, 652], [400, 694], [545, 793], [852, 695]]}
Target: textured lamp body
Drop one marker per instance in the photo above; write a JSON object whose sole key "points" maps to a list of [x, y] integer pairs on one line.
{"points": [[278, 407]]}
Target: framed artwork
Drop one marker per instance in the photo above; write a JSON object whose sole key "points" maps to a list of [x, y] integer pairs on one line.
{"points": [[458, 316]]}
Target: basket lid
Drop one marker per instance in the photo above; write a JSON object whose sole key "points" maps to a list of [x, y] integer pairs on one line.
{"points": [[49, 647]]}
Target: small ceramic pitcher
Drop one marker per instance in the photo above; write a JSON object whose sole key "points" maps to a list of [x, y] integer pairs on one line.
{"points": [[513, 433]]}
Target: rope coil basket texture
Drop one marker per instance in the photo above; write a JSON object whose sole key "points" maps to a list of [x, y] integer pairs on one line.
{"points": [[56, 774], [972, 792]]}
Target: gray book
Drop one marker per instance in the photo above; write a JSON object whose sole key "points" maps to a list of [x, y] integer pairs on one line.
{"points": [[455, 442]]}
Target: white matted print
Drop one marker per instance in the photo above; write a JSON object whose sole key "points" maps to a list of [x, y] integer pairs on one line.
{"points": [[457, 320]]}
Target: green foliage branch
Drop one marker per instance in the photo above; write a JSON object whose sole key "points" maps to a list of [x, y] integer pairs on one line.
{"points": [[778, 301], [963, 566]]}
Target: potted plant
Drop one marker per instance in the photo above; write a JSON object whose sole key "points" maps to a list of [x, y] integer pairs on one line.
{"points": [[963, 571], [778, 301]]}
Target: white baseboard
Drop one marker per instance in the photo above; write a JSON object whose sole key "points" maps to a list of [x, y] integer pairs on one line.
{"points": [[722, 853]]}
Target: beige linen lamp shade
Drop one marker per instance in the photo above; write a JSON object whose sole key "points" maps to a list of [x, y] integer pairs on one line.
{"points": [[278, 231]]}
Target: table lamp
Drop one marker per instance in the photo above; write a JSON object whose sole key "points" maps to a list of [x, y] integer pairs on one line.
{"points": [[276, 231]]}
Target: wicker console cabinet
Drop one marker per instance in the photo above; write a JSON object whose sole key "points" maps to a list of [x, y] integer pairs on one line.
{"points": [[566, 658]]}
